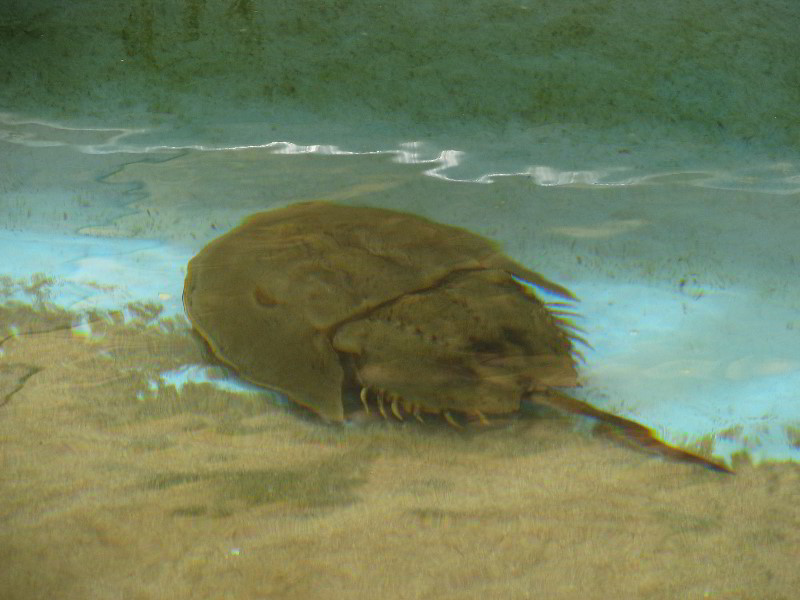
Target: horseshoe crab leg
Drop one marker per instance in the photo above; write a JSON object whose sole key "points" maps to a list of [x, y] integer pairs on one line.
{"points": [[396, 410], [380, 404], [449, 418], [481, 417], [641, 435]]}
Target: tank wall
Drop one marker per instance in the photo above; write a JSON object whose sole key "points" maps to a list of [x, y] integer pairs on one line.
{"points": [[718, 68]]}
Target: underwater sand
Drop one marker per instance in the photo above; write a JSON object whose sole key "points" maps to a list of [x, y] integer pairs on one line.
{"points": [[116, 488]]}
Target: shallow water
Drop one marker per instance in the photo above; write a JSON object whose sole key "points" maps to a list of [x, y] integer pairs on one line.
{"points": [[133, 469], [688, 294], [644, 157]]}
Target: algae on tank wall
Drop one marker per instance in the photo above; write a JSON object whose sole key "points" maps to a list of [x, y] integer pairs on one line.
{"points": [[725, 70]]}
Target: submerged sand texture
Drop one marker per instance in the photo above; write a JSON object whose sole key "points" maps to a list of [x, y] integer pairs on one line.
{"points": [[115, 488]]}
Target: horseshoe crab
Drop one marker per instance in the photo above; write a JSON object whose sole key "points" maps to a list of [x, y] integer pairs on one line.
{"points": [[320, 300]]}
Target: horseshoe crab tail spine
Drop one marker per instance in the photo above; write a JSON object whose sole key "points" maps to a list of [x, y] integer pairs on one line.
{"points": [[635, 432]]}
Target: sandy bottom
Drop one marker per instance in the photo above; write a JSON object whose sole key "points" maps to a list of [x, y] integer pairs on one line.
{"points": [[113, 487]]}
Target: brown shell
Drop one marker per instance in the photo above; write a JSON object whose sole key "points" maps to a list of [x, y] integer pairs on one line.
{"points": [[317, 298]]}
